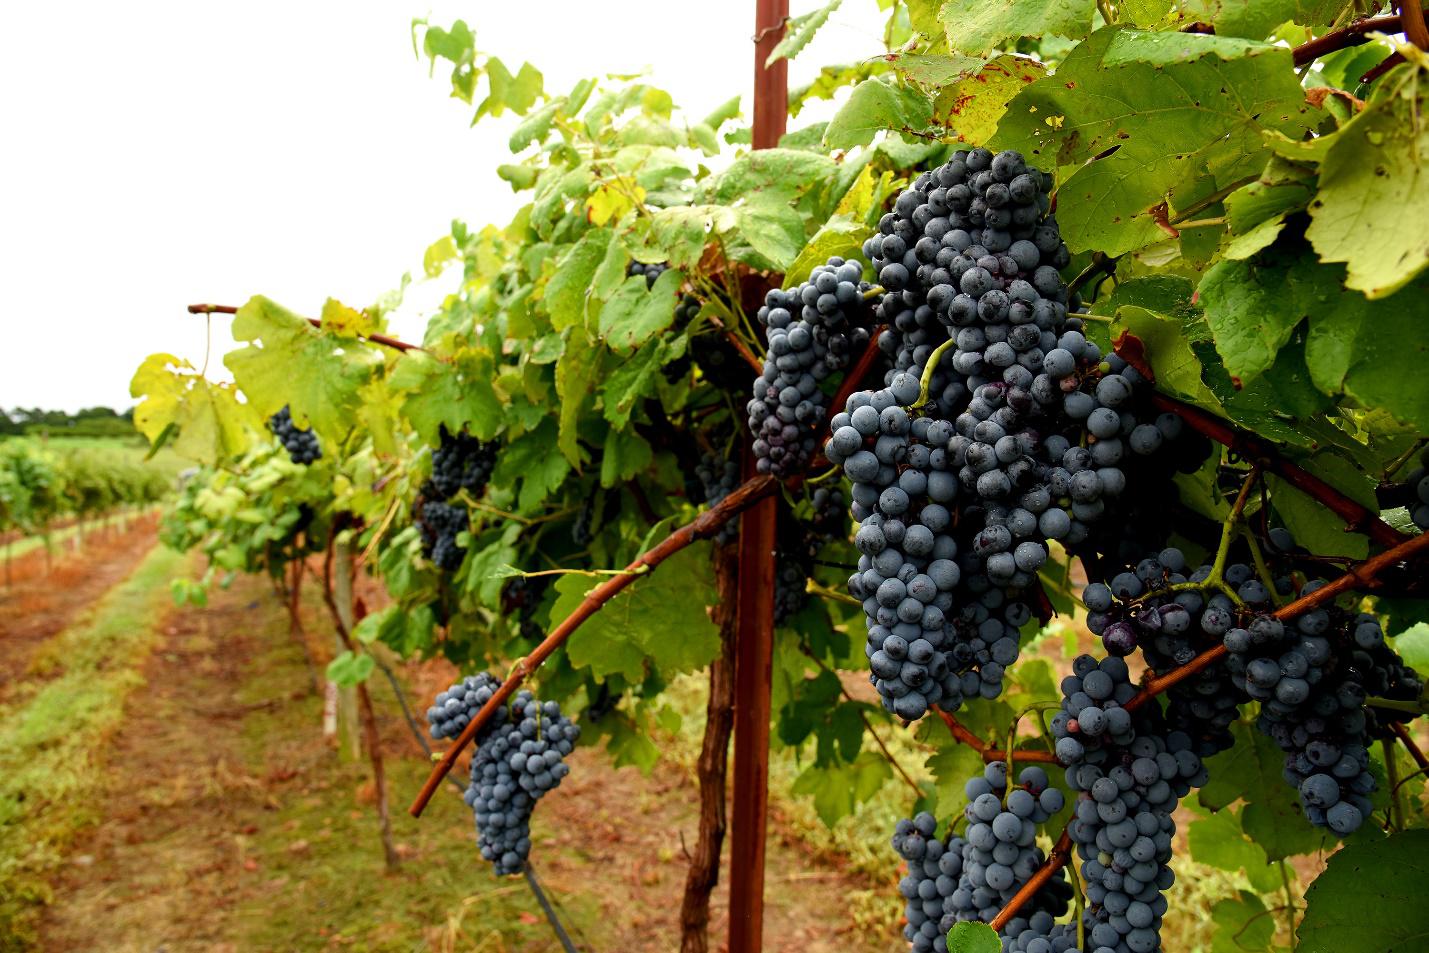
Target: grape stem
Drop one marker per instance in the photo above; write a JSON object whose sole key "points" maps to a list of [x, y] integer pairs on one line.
{"points": [[989, 754], [1012, 739], [1352, 35], [1391, 769], [926, 380], [704, 526], [1217, 577], [1365, 575], [1408, 741], [1395, 704]]}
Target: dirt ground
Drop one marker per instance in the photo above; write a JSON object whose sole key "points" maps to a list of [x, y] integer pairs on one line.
{"points": [[39, 604], [225, 821]]}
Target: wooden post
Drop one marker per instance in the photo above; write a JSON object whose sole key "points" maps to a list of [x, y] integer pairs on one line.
{"points": [[755, 630]]}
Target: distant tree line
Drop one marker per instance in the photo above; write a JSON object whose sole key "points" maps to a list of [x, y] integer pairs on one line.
{"points": [[89, 422]]}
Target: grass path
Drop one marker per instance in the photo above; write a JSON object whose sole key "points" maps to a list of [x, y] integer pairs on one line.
{"points": [[227, 824], [52, 740]]}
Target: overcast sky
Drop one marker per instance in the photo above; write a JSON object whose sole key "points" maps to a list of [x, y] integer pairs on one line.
{"points": [[159, 154]]}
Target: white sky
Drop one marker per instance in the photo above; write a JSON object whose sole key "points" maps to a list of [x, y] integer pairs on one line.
{"points": [[158, 154]]}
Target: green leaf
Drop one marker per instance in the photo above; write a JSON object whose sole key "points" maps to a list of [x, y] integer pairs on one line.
{"points": [[972, 105], [799, 31], [636, 312], [785, 172], [660, 618], [348, 669], [1252, 769], [973, 937], [873, 106], [979, 26], [1253, 306], [568, 286], [517, 93], [1313, 526], [1147, 120], [535, 127], [1219, 841], [631, 381], [682, 231], [951, 766], [1242, 925], [1373, 197], [1374, 351], [626, 454], [772, 228], [838, 789], [726, 111], [1257, 19], [576, 374], [838, 236], [1413, 645], [1370, 897], [1177, 369], [200, 421], [457, 393], [290, 362]]}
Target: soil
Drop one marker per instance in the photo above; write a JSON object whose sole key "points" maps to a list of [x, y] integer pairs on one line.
{"points": [[45, 598], [228, 823]]}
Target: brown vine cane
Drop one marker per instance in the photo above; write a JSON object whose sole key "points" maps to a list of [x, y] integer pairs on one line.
{"points": [[704, 526]]}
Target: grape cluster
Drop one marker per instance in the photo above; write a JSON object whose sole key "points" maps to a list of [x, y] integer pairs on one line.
{"points": [[1148, 609], [302, 445], [1413, 492], [461, 462], [718, 479], [1311, 676], [439, 524], [971, 877], [935, 869], [521, 596], [797, 546], [519, 758], [813, 329], [1129, 772], [1039, 934], [1001, 852], [650, 272]]}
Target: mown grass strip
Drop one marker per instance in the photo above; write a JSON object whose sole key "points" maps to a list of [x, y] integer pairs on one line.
{"points": [[51, 744]]}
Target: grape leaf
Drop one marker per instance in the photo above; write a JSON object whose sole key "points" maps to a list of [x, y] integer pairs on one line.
{"points": [[1374, 351], [1413, 646], [971, 105], [660, 618], [206, 420], [951, 765], [1373, 196], [799, 31], [1253, 307], [1151, 113], [1177, 369], [873, 106], [1252, 769], [1219, 841], [626, 454], [290, 362], [838, 236], [1313, 526], [566, 291], [576, 373], [972, 937], [636, 312], [457, 393], [1257, 19], [1370, 897], [979, 26], [839, 788], [1242, 924]]}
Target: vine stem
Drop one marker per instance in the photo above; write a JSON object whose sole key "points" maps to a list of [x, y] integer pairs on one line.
{"points": [[381, 339], [989, 754], [1357, 518], [1408, 740], [926, 380], [1344, 38], [867, 724], [704, 526], [1364, 575]]}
